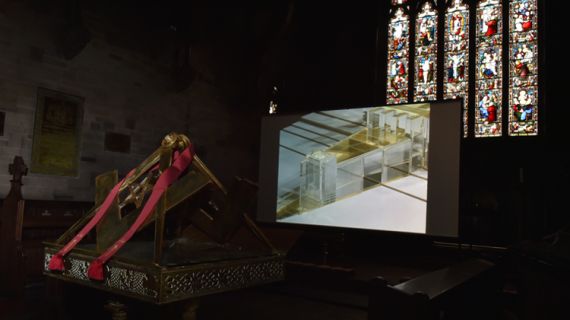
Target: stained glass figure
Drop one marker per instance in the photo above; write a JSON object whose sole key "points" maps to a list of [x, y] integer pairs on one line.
{"points": [[456, 56], [489, 69], [398, 57], [426, 53], [399, 2], [523, 74]]}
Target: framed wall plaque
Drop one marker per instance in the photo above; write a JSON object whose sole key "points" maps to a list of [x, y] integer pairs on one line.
{"points": [[57, 133]]}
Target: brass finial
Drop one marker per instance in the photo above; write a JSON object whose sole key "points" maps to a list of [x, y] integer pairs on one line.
{"points": [[175, 141]]}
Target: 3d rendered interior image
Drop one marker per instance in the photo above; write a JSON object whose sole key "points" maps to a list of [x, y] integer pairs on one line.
{"points": [[360, 168]]}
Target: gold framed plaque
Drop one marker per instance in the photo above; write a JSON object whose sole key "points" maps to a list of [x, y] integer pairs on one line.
{"points": [[57, 133]]}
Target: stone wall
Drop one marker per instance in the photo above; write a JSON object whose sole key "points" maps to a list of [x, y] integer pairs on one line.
{"points": [[125, 92]]}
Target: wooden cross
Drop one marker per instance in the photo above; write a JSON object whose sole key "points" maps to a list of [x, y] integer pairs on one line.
{"points": [[17, 169], [12, 217]]}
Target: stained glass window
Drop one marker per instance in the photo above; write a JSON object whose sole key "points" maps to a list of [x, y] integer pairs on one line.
{"points": [[398, 57], [523, 74], [456, 57], [426, 53], [520, 101], [489, 73]]}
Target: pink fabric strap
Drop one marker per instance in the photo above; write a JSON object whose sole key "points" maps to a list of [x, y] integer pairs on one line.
{"points": [[56, 261], [171, 174]]}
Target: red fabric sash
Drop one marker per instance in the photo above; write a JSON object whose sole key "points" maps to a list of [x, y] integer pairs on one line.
{"points": [[56, 262], [171, 174]]}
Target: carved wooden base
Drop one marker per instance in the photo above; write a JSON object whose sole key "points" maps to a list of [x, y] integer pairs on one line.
{"points": [[189, 312], [117, 309]]}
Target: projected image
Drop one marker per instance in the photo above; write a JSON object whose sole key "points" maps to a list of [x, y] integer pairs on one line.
{"points": [[358, 168]]}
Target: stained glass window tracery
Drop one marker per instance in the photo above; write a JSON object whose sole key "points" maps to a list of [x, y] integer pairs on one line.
{"points": [[426, 53], [488, 75], [398, 57], [456, 56], [523, 68]]}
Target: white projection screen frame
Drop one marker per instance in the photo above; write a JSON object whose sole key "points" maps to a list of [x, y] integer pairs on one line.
{"points": [[395, 204]]}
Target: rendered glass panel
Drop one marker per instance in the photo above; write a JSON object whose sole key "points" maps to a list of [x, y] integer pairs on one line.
{"points": [[385, 153]]}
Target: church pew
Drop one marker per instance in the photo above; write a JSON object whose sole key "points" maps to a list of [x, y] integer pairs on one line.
{"points": [[467, 290]]}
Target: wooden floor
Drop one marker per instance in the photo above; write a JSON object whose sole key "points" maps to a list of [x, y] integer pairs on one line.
{"points": [[262, 304], [257, 303]]}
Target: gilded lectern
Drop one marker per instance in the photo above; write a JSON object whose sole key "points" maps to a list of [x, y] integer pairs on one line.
{"points": [[169, 231]]}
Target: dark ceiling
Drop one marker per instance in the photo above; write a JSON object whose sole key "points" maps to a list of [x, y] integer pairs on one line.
{"points": [[317, 53]]}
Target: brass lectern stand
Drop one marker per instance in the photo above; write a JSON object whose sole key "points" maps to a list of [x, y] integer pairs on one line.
{"points": [[203, 241]]}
